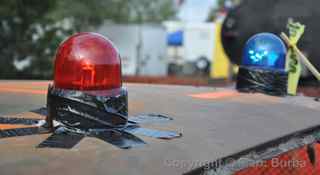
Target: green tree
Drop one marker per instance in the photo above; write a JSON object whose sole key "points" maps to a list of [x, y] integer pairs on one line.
{"points": [[32, 29], [150, 10], [26, 33], [87, 14]]}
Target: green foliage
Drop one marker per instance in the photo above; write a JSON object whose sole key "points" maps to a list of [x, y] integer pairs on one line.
{"points": [[32, 29], [220, 6], [150, 10], [87, 13], [91, 13], [19, 21]]}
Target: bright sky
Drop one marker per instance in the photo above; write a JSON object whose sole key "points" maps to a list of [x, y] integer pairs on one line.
{"points": [[196, 10]]}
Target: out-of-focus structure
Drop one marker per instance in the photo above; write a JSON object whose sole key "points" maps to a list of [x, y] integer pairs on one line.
{"points": [[184, 46], [190, 47], [142, 47], [194, 45], [251, 17]]}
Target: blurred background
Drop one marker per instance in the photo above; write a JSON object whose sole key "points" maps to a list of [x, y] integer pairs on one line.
{"points": [[193, 42], [156, 38]]}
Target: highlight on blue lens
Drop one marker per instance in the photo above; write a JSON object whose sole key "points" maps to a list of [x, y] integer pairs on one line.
{"points": [[265, 50]]}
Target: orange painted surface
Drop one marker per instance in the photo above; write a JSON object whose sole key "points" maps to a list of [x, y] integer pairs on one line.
{"points": [[6, 126], [295, 162], [38, 88], [44, 84], [23, 90], [215, 95]]}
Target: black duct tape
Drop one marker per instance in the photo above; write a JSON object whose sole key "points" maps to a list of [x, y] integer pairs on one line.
{"points": [[18, 121], [83, 111], [271, 82], [32, 128], [64, 140], [149, 119], [121, 139], [73, 115], [105, 118], [22, 132], [166, 135]]}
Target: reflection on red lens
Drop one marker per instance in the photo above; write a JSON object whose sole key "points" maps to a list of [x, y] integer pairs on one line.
{"points": [[87, 61]]}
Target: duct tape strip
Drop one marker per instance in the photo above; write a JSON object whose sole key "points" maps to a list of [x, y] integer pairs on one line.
{"points": [[149, 118], [114, 104], [35, 129], [66, 140], [167, 135], [21, 121], [22, 132], [84, 111], [133, 127], [121, 139], [67, 137], [73, 115], [101, 117], [41, 111], [271, 82], [137, 119]]}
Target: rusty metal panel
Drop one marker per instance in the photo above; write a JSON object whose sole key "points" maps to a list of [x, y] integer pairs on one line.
{"points": [[213, 128]]}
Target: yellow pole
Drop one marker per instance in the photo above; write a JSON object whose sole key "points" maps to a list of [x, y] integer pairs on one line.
{"points": [[220, 65]]}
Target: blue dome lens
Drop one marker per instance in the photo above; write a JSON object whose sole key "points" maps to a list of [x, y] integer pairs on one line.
{"points": [[265, 50]]}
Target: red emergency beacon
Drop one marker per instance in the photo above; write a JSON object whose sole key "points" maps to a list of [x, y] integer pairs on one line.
{"points": [[87, 62], [87, 80]]}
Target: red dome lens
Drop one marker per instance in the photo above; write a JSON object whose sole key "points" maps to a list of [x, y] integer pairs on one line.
{"points": [[87, 61]]}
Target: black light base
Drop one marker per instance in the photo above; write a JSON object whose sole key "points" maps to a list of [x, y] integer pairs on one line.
{"points": [[84, 111], [270, 82]]}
